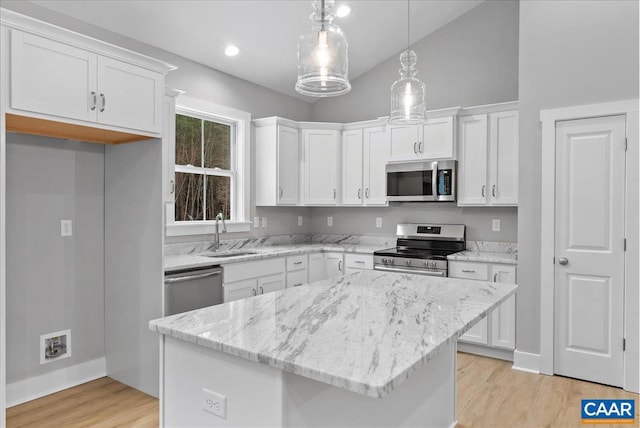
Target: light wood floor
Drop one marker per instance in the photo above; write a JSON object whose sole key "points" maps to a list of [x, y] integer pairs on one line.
{"points": [[490, 394]]}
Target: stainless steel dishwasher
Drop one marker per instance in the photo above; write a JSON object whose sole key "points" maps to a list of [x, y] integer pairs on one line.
{"points": [[189, 289]]}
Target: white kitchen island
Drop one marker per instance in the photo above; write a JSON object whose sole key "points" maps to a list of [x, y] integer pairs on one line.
{"points": [[367, 349]]}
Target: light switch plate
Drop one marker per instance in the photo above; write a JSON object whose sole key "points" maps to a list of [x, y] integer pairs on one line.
{"points": [[495, 225], [264, 222], [256, 222], [66, 228], [329, 221], [378, 221], [299, 220]]}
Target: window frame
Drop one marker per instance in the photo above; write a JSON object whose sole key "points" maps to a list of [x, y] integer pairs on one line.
{"points": [[240, 172]]}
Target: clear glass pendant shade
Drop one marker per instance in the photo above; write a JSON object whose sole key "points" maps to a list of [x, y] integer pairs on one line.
{"points": [[322, 55], [408, 101]]}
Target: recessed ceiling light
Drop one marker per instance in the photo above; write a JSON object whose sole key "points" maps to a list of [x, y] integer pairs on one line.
{"points": [[343, 10], [231, 50]]}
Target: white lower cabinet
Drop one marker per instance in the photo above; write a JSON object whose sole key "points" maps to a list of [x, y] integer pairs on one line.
{"points": [[247, 279], [297, 270], [498, 328], [357, 262], [316, 267], [333, 265]]}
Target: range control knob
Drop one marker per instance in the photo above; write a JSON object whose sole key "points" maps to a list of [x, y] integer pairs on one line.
{"points": [[408, 262], [433, 264], [384, 261]]}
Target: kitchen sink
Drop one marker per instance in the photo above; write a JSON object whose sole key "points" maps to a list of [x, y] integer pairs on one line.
{"points": [[224, 254]]}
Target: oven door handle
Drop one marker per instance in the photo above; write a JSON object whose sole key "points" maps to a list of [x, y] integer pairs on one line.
{"points": [[434, 180], [412, 271]]}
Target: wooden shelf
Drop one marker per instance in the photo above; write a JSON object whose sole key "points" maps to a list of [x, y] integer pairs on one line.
{"points": [[50, 128]]}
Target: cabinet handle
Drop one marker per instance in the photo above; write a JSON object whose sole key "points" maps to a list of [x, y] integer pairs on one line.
{"points": [[334, 193], [359, 262], [103, 102], [359, 193], [493, 190], [94, 100], [366, 193], [297, 285], [468, 271], [173, 186], [340, 265], [420, 147], [483, 186], [261, 290], [255, 293], [495, 277], [297, 263], [414, 147], [280, 192]]}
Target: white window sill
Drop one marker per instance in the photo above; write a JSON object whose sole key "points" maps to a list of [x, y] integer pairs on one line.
{"points": [[205, 228]]}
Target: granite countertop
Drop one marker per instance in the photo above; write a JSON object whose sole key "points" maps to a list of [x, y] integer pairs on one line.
{"points": [[187, 261], [485, 257], [365, 332]]}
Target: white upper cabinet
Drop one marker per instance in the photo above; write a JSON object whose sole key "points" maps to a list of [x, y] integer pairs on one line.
{"points": [[277, 163], [472, 158], [435, 139], [488, 159], [129, 96], [352, 164], [51, 79], [321, 166], [376, 156]]}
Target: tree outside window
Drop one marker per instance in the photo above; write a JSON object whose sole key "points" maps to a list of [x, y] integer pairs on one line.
{"points": [[204, 168]]}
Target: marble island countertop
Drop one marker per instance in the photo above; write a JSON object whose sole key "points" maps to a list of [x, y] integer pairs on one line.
{"points": [[485, 257], [365, 332]]}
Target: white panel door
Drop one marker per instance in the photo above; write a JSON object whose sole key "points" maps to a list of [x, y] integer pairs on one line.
{"points": [[315, 267], [129, 96], [240, 289], [503, 318], [352, 160], [288, 163], [321, 163], [472, 173], [376, 155], [437, 141], [478, 333], [589, 275], [404, 141], [52, 78], [333, 265], [503, 175], [268, 284]]}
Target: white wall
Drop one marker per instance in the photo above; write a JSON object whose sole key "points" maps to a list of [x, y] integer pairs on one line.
{"points": [[571, 53], [54, 283]]}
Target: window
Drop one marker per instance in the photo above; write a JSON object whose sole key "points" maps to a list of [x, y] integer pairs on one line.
{"points": [[211, 168]]}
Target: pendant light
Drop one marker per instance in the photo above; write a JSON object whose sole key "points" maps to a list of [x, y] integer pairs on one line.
{"points": [[322, 55], [408, 93]]}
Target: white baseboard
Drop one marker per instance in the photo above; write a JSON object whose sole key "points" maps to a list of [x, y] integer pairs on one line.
{"points": [[48, 383], [485, 351], [526, 362]]}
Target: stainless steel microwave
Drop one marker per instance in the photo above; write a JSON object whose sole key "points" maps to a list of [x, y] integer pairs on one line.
{"points": [[425, 181]]}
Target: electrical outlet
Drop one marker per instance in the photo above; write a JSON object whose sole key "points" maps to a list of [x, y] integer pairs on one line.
{"points": [[378, 221], [329, 221], [256, 222], [495, 225], [299, 220], [215, 403], [66, 228], [264, 222]]}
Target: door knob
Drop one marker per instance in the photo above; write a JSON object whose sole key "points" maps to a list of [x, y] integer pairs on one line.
{"points": [[563, 261]]}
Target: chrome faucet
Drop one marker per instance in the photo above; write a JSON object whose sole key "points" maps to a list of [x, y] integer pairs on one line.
{"points": [[216, 243]]}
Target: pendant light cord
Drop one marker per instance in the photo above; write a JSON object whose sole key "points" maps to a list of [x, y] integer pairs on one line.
{"points": [[408, 23], [322, 14]]}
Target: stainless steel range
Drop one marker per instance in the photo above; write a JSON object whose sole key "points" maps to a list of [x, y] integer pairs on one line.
{"points": [[421, 249]]}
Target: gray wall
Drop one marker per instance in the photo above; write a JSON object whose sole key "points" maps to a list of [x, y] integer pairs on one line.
{"points": [[54, 283], [362, 221], [473, 60], [571, 53]]}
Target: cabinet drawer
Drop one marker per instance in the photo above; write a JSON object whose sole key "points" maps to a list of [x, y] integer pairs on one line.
{"points": [[358, 261], [297, 262], [296, 278], [239, 271], [468, 270]]}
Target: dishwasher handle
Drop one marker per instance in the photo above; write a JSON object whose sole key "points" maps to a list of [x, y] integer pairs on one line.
{"points": [[192, 277]]}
